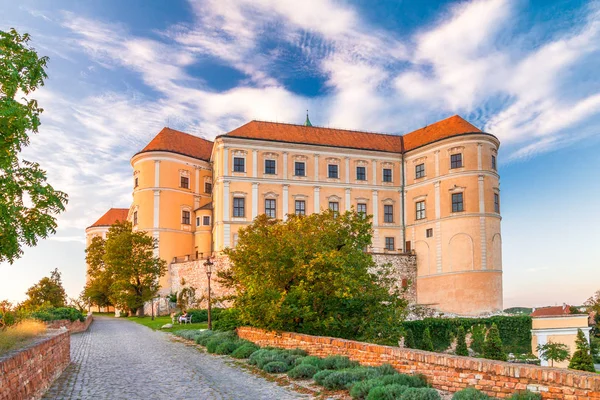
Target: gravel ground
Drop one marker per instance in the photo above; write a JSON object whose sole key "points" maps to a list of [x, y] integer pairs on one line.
{"points": [[119, 359]]}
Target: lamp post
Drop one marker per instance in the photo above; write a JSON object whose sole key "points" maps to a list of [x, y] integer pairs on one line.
{"points": [[208, 264]]}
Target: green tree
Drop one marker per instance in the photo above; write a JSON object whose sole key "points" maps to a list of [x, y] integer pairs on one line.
{"points": [[409, 339], [48, 291], [582, 359], [97, 290], [426, 342], [477, 338], [492, 348], [132, 266], [28, 205], [554, 352], [461, 342], [310, 274]]}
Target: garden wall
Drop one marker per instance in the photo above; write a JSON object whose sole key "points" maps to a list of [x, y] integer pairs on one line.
{"points": [[27, 373], [445, 372], [72, 326]]}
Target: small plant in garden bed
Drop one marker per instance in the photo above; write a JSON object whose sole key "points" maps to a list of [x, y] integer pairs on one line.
{"points": [[470, 394], [303, 371], [526, 395], [361, 389]]}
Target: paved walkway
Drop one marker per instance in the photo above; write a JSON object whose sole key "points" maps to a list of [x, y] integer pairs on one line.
{"points": [[119, 359]]}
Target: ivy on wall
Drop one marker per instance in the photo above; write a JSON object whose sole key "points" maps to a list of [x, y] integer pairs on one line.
{"points": [[515, 332]]}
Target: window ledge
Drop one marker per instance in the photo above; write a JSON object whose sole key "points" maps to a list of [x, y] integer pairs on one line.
{"points": [[454, 170], [333, 179], [238, 219]]}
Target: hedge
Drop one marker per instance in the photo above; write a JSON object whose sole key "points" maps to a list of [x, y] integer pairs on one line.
{"points": [[55, 314], [515, 331]]}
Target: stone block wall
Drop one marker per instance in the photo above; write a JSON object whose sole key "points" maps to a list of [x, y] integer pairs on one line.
{"points": [[443, 371], [405, 271], [72, 326], [27, 373]]}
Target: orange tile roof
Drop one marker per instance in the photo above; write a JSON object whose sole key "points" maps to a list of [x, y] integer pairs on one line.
{"points": [[290, 133], [113, 215], [452, 126], [179, 142], [555, 311]]}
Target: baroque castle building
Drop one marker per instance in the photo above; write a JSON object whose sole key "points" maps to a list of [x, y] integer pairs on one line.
{"points": [[433, 193]]}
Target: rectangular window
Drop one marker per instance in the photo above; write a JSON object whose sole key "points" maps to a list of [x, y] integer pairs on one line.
{"points": [[419, 171], [136, 182], [300, 207], [457, 202], [206, 220], [408, 247], [185, 217], [389, 243], [270, 167], [361, 208], [429, 232], [299, 169], [239, 164], [207, 187], [239, 207], [496, 202], [456, 160], [333, 171], [388, 213], [420, 207], [197, 221], [361, 173], [185, 182], [270, 208], [135, 218], [334, 206], [494, 163], [387, 174]]}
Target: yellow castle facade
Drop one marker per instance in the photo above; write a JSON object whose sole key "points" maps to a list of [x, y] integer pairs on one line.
{"points": [[433, 192]]}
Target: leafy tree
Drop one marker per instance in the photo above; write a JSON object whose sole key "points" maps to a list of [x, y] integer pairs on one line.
{"points": [[554, 352], [492, 348], [48, 291], [582, 359], [409, 339], [426, 342], [132, 266], [28, 204], [461, 342], [310, 274], [97, 290], [186, 296]]}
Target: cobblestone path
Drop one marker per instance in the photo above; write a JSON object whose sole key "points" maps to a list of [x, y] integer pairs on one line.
{"points": [[119, 359]]}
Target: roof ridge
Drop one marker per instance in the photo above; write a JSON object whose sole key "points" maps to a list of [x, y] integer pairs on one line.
{"points": [[322, 127], [185, 133]]}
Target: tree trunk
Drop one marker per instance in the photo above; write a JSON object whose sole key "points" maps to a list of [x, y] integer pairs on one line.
{"points": [[140, 311]]}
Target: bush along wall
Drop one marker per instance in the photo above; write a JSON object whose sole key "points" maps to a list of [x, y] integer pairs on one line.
{"points": [[515, 331]]}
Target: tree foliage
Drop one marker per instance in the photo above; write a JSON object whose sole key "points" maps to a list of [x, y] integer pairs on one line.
{"points": [[582, 359], [492, 348], [426, 343], [310, 274], [123, 270], [48, 291], [553, 351], [28, 205], [461, 342], [409, 340]]}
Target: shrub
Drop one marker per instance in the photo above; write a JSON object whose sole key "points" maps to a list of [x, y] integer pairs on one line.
{"points": [[389, 392], [227, 347], [310, 360], [302, 371], [245, 350], [582, 359], [189, 334], [361, 389], [426, 343], [409, 339], [386, 369], [203, 337], [320, 376], [264, 356], [276, 367], [470, 394], [461, 342], [420, 394], [492, 348], [343, 379], [337, 362], [525, 395], [254, 357], [217, 338], [478, 338], [58, 313], [228, 320]]}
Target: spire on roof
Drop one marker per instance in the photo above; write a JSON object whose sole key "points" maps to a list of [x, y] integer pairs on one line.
{"points": [[307, 122]]}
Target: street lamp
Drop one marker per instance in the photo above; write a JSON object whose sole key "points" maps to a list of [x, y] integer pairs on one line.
{"points": [[208, 264]]}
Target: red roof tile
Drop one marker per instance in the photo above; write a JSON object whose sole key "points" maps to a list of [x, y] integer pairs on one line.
{"points": [[113, 215], [289, 133], [181, 143], [552, 311]]}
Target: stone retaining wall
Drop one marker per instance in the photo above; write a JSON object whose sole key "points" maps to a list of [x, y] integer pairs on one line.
{"points": [[27, 373], [72, 326], [446, 372]]}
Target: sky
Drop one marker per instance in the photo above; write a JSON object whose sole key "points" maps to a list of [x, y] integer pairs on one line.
{"points": [[525, 71]]}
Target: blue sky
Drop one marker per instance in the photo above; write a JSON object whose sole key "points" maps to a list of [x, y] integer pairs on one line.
{"points": [[525, 71]]}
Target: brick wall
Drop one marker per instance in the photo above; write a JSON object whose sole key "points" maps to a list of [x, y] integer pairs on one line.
{"points": [[29, 372], [73, 327], [446, 372]]}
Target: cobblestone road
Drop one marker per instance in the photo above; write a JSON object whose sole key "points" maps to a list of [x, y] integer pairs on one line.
{"points": [[119, 359]]}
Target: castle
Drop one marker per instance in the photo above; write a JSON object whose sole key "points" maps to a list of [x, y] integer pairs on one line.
{"points": [[433, 193]]}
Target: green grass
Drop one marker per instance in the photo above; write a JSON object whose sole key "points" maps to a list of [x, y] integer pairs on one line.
{"points": [[160, 321]]}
